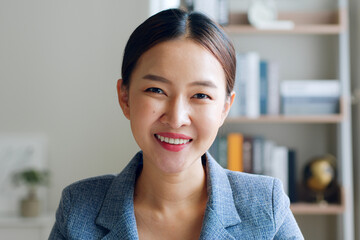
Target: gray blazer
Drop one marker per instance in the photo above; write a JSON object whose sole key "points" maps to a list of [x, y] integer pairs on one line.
{"points": [[240, 206]]}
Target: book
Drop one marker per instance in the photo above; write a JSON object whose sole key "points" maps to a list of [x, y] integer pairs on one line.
{"points": [[273, 107], [234, 152], [258, 155], [310, 88], [263, 87], [214, 149], [310, 105], [267, 161], [247, 154], [306, 97], [293, 193], [223, 159], [252, 85], [237, 108], [279, 166]]}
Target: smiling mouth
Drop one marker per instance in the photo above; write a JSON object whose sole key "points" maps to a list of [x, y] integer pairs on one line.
{"points": [[174, 141]]}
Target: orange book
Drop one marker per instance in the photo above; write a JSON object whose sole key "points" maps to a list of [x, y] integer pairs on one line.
{"points": [[235, 151]]}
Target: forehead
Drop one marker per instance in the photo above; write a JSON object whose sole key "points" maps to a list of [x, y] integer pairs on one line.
{"points": [[183, 58]]}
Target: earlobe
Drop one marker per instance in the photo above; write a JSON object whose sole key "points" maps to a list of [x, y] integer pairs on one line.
{"points": [[123, 96], [228, 103]]}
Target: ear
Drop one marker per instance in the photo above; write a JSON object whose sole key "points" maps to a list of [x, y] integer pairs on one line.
{"points": [[123, 95], [228, 103]]}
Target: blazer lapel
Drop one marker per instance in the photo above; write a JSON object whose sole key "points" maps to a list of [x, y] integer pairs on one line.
{"points": [[117, 213], [213, 228], [221, 212]]}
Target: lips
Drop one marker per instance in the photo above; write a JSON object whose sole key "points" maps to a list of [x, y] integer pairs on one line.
{"points": [[174, 142]]}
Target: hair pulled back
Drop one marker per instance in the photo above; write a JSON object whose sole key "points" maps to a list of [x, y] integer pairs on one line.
{"points": [[175, 23]]}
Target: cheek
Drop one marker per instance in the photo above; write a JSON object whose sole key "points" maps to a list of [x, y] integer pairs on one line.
{"points": [[143, 110], [208, 119]]}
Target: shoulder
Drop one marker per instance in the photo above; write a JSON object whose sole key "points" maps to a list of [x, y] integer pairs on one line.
{"points": [[254, 196], [78, 195], [95, 186], [261, 200], [247, 186]]}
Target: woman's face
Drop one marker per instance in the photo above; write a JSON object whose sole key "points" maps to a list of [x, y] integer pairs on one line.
{"points": [[176, 103]]}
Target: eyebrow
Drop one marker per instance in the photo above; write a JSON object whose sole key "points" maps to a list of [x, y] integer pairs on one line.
{"points": [[157, 78]]}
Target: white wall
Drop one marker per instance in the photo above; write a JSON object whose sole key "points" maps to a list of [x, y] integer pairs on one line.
{"points": [[355, 75], [60, 61]]}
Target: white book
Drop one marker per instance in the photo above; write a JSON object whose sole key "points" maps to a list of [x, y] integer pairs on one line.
{"points": [[280, 168], [267, 160], [273, 89], [236, 107], [258, 155], [310, 88], [252, 85]]}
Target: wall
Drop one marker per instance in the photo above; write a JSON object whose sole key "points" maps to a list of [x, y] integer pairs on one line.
{"points": [[60, 61], [355, 75]]}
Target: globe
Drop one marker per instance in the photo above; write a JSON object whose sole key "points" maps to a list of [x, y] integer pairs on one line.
{"points": [[319, 175]]}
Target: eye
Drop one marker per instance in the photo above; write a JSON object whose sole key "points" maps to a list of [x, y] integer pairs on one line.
{"points": [[201, 96], [154, 90]]}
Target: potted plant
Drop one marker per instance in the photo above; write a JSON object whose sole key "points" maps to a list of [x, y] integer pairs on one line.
{"points": [[32, 179]]}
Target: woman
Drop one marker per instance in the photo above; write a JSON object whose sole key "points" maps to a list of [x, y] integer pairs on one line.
{"points": [[176, 89]]}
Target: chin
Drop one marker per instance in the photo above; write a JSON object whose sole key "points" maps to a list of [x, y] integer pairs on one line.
{"points": [[172, 167]]}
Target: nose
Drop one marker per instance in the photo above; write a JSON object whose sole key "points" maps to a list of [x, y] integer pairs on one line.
{"points": [[176, 113]]}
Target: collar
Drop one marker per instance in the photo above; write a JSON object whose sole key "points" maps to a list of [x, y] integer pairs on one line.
{"points": [[117, 211]]}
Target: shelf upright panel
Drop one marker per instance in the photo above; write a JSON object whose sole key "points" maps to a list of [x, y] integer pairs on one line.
{"points": [[346, 221]]}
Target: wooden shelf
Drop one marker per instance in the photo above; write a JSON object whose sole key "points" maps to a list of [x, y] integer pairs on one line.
{"points": [[332, 118], [316, 209], [326, 22], [335, 118]]}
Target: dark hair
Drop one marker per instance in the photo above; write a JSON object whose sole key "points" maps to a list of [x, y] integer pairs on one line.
{"points": [[175, 23]]}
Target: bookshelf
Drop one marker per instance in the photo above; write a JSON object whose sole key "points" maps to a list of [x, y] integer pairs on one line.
{"points": [[325, 22], [331, 118], [314, 209], [319, 209], [321, 25]]}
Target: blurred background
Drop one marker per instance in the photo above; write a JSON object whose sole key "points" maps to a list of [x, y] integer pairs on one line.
{"points": [[59, 64]]}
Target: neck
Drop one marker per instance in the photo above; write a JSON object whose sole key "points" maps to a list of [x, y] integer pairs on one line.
{"points": [[164, 191]]}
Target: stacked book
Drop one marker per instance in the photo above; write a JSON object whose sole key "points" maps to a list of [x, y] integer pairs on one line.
{"points": [[256, 86], [255, 154], [309, 97], [259, 91]]}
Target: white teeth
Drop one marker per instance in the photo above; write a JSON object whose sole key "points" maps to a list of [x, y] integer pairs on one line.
{"points": [[175, 141]]}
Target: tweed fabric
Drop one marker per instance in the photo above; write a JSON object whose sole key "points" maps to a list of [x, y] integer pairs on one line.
{"points": [[240, 206]]}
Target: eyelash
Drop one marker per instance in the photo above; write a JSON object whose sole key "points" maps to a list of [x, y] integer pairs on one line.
{"points": [[155, 90], [160, 91], [203, 96]]}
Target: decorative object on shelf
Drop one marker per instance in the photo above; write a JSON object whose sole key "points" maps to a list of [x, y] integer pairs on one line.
{"points": [[319, 180], [262, 14], [32, 179]]}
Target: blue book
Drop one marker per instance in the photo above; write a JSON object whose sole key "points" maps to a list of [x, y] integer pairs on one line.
{"points": [[293, 196], [214, 149], [263, 87], [223, 151]]}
